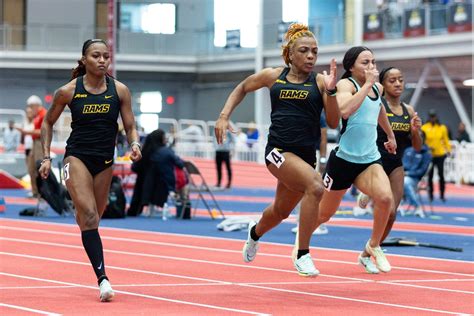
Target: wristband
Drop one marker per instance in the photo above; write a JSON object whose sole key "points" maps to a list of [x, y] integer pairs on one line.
{"points": [[46, 158], [136, 143], [331, 92]]}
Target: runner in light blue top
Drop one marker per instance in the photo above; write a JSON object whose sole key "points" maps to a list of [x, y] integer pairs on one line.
{"points": [[357, 160], [359, 131]]}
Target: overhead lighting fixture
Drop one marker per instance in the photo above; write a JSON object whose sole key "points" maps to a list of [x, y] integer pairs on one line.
{"points": [[468, 82]]}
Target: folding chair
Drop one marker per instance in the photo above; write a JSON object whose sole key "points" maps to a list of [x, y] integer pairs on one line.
{"points": [[201, 187], [423, 186]]}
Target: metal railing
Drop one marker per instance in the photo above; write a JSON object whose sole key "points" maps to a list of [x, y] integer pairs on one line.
{"points": [[195, 138]]}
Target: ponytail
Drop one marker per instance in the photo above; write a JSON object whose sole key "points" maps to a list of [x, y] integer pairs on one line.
{"points": [[80, 70]]}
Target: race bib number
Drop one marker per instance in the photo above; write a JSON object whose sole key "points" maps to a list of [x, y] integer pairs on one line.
{"points": [[276, 158], [327, 182], [66, 171]]}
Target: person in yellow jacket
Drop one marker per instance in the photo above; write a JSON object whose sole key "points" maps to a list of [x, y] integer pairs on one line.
{"points": [[438, 140]]}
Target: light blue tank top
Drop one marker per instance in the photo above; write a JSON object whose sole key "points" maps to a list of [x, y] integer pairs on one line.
{"points": [[359, 132]]}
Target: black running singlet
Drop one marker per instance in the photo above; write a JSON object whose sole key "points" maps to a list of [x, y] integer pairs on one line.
{"points": [[401, 127], [296, 112], [94, 121]]}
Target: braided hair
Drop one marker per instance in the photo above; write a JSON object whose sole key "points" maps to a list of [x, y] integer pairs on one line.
{"points": [[295, 31]]}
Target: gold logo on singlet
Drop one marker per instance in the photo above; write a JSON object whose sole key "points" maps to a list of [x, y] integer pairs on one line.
{"points": [[96, 108], [293, 94]]}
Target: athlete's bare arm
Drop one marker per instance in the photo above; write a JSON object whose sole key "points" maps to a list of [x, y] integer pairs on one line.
{"points": [[264, 78], [415, 122], [62, 97], [128, 119]]}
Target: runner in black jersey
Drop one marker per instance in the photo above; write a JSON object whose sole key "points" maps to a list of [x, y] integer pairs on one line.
{"points": [[95, 100], [297, 96], [405, 124]]}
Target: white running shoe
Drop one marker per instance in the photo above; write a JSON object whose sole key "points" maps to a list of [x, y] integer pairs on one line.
{"points": [[106, 292], [419, 212], [321, 230], [380, 260], [363, 200], [305, 266], [251, 246], [368, 265]]}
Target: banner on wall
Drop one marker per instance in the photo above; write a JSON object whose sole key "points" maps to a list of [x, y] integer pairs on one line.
{"points": [[373, 29], [460, 18], [232, 39], [415, 24]]}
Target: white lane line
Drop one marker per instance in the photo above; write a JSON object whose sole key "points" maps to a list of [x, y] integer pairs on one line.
{"points": [[353, 299], [239, 284], [397, 283], [426, 287], [42, 287], [434, 280], [37, 311], [154, 233], [221, 284], [112, 267], [137, 294], [157, 243], [226, 283]]}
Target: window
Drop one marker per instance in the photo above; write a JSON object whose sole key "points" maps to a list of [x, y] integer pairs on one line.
{"points": [[295, 11], [235, 15], [155, 18], [151, 102]]}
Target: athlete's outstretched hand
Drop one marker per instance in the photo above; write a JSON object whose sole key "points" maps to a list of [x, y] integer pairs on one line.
{"points": [[331, 79], [44, 169], [136, 153], [220, 130]]}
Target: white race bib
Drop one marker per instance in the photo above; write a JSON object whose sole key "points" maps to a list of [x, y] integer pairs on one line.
{"points": [[66, 171], [327, 182], [276, 158]]}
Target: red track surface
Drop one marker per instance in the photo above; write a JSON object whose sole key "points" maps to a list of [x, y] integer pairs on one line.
{"points": [[44, 268]]}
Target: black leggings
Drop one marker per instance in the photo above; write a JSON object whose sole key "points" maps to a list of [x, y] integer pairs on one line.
{"points": [[223, 156], [437, 162]]}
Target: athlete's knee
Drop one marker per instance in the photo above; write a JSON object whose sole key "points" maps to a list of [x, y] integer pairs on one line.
{"points": [[89, 219], [384, 201], [315, 189]]}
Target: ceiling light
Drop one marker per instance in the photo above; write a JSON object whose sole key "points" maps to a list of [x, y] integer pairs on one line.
{"points": [[468, 82]]}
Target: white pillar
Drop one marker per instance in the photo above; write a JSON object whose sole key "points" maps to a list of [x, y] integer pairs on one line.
{"points": [[358, 22], [259, 94]]}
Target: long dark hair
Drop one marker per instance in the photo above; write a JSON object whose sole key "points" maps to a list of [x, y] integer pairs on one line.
{"points": [[350, 58], [154, 140], [80, 70]]}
